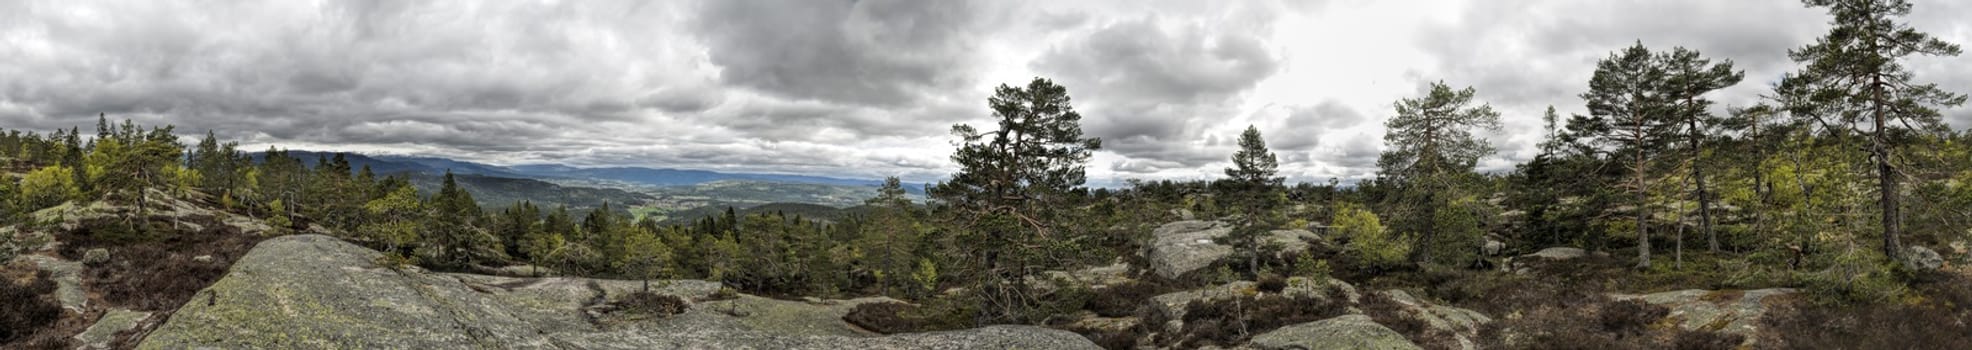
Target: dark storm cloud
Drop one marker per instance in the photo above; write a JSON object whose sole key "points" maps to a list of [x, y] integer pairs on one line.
{"points": [[1149, 88], [1304, 124], [873, 52], [366, 72]]}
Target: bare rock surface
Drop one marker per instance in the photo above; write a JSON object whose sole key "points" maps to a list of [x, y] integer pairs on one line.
{"points": [[317, 292]]}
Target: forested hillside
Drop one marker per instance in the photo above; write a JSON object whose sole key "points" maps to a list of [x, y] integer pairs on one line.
{"points": [[1842, 189]]}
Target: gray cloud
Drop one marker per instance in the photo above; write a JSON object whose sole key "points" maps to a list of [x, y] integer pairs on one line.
{"points": [[849, 88], [1154, 87], [874, 52]]}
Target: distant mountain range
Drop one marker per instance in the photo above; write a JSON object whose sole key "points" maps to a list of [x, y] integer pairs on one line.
{"points": [[659, 177], [662, 190]]}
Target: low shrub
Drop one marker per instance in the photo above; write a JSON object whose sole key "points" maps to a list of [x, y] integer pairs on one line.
{"points": [[1122, 299], [1933, 316], [28, 307], [1393, 315], [647, 303], [1231, 322], [893, 317]]}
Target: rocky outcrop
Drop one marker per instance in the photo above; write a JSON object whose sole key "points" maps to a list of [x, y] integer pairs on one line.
{"points": [[68, 281], [1182, 247], [1732, 312], [1342, 332], [1921, 259], [1172, 306], [1558, 253], [1185, 246], [1462, 324], [1296, 240], [316, 292], [103, 332], [1527, 263]]}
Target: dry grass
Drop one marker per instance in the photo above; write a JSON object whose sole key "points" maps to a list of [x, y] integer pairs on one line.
{"points": [[29, 307], [647, 303], [1935, 318]]}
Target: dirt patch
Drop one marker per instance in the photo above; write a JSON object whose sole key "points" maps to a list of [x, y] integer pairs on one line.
{"points": [[893, 318], [1934, 317], [30, 305], [154, 266], [162, 273], [652, 304]]}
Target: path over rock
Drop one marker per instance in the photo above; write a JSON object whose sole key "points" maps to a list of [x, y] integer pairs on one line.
{"points": [[1341, 332], [317, 292], [1725, 311]]}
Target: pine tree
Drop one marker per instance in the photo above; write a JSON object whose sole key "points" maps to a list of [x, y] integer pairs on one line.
{"points": [[1690, 77], [1629, 114], [1429, 153], [1008, 189], [1254, 186], [891, 235], [456, 236], [1853, 77]]}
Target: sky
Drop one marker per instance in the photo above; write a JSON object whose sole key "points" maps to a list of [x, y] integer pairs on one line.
{"points": [[862, 89]]}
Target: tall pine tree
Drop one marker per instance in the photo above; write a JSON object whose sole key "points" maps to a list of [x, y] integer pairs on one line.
{"points": [[1429, 153], [1010, 185], [1854, 80]]}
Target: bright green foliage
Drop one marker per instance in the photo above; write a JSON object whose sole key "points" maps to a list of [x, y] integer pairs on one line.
{"points": [[1369, 242], [925, 277], [397, 219], [48, 187], [646, 257], [280, 218], [182, 180]]}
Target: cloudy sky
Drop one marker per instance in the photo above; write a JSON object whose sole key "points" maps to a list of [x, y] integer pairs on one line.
{"points": [[858, 88]]}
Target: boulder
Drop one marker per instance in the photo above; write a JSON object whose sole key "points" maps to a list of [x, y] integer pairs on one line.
{"points": [[96, 257], [1291, 240], [317, 292], [1559, 253], [1342, 332], [1921, 259], [1728, 311], [1098, 277], [1463, 324], [1172, 305], [101, 334], [1303, 287], [1493, 248], [202, 259], [68, 281], [1185, 246], [1525, 263]]}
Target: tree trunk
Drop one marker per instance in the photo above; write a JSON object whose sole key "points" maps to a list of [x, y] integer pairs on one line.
{"points": [[1704, 198], [1422, 252]]}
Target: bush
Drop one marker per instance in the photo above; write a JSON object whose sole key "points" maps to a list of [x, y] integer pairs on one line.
{"points": [[48, 187], [1231, 322], [1369, 242], [647, 303], [28, 307], [1122, 299], [893, 317], [1934, 317]]}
